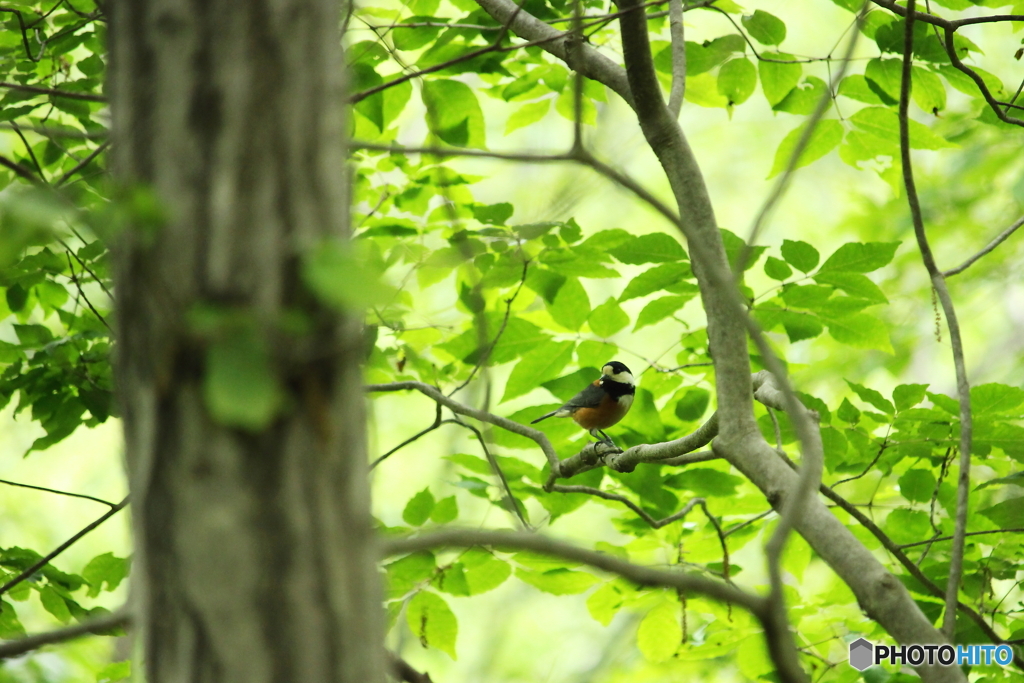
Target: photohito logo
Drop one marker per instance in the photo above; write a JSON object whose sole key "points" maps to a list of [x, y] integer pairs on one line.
{"points": [[863, 654]]}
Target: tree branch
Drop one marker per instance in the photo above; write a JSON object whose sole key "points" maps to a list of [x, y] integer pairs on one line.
{"points": [[62, 493], [963, 387], [54, 93], [677, 32], [21, 646], [1000, 238], [61, 548]]}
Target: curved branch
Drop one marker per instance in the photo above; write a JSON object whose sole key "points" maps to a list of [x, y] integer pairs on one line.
{"points": [[1000, 238], [645, 576]]}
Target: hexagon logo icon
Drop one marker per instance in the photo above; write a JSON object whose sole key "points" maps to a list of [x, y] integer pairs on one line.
{"points": [[861, 654]]}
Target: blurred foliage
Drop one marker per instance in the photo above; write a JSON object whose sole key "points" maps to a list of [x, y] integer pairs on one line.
{"points": [[525, 315]]}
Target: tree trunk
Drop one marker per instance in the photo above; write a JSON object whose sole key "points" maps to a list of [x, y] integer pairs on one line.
{"points": [[254, 556]]}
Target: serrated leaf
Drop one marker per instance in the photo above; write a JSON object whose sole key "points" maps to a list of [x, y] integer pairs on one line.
{"points": [[660, 634], [872, 397], [800, 255], [417, 510], [858, 257], [433, 622], [659, 309], [608, 318], [854, 284], [994, 398], [826, 136], [558, 581], [526, 115], [656, 247], [538, 366], [778, 77], [659, 277]]}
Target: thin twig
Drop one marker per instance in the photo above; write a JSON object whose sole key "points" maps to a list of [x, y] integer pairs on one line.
{"points": [[55, 93], [74, 279], [1000, 238], [61, 548], [437, 423], [939, 284], [83, 163], [62, 493], [939, 539]]}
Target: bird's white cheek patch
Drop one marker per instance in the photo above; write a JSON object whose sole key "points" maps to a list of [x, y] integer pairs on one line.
{"points": [[626, 401]]}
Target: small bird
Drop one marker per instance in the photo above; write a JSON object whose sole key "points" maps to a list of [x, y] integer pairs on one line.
{"points": [[602, 403]]}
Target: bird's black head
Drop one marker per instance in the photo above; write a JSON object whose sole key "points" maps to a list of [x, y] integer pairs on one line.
{"points": [[617, 372]]}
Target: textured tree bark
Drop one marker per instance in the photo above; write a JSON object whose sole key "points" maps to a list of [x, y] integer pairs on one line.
{"points": [[254, 559]]}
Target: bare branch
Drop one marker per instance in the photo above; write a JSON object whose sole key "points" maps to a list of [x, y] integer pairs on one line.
{"points": [[83, 163], [676, 31], [21, 646], [1000, 238], [53, 93], [62, 493], [607, 495], [412, 439], [940, 539]]}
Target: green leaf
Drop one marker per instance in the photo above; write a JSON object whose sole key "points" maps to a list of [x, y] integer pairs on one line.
{"points": [[826, 136], [558, 581], [803, 99], [701, 58], [848, 412], [776, 269], [872, 397], [594, 354], [994, 398], [526, 115], [608, 318], [705, 482], [453, 113], [492, 214], [917, 485], [484, 572], [405, 574], [417, 510], [692, 405], [659, 309], [660, 634], [342, 276], [800, 255], [659, 277], [860, 257], [106, 568], [886, 74], [656, 247], [571, 306], [765, 28], [734, 246], [857, 87], [114, 672], [883, 123], [907, 526], [928, 91], [10, 626], [806, 296], [604, 603], [538, 366], [860, 330], [800, 326], [778, 77], [1007, 514], [240, 387], [737, 79], [854, 284], [54, 604], [433, 621], [908, 395], [416, 37], [446, 510]]}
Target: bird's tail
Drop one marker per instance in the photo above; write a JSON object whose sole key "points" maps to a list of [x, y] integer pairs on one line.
{"points": [[543, 417]]}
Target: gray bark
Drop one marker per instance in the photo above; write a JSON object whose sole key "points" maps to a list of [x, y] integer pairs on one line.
{"points": [[255, 559]]}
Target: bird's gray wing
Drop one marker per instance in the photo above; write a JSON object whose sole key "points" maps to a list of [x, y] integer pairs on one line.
{"points": [[588, 398]]}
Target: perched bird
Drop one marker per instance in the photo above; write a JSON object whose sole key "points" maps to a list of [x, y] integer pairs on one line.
{"points": [[601, 404]]}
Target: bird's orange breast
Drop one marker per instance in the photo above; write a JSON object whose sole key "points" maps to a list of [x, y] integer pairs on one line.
{"points": [[602, 416]]}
